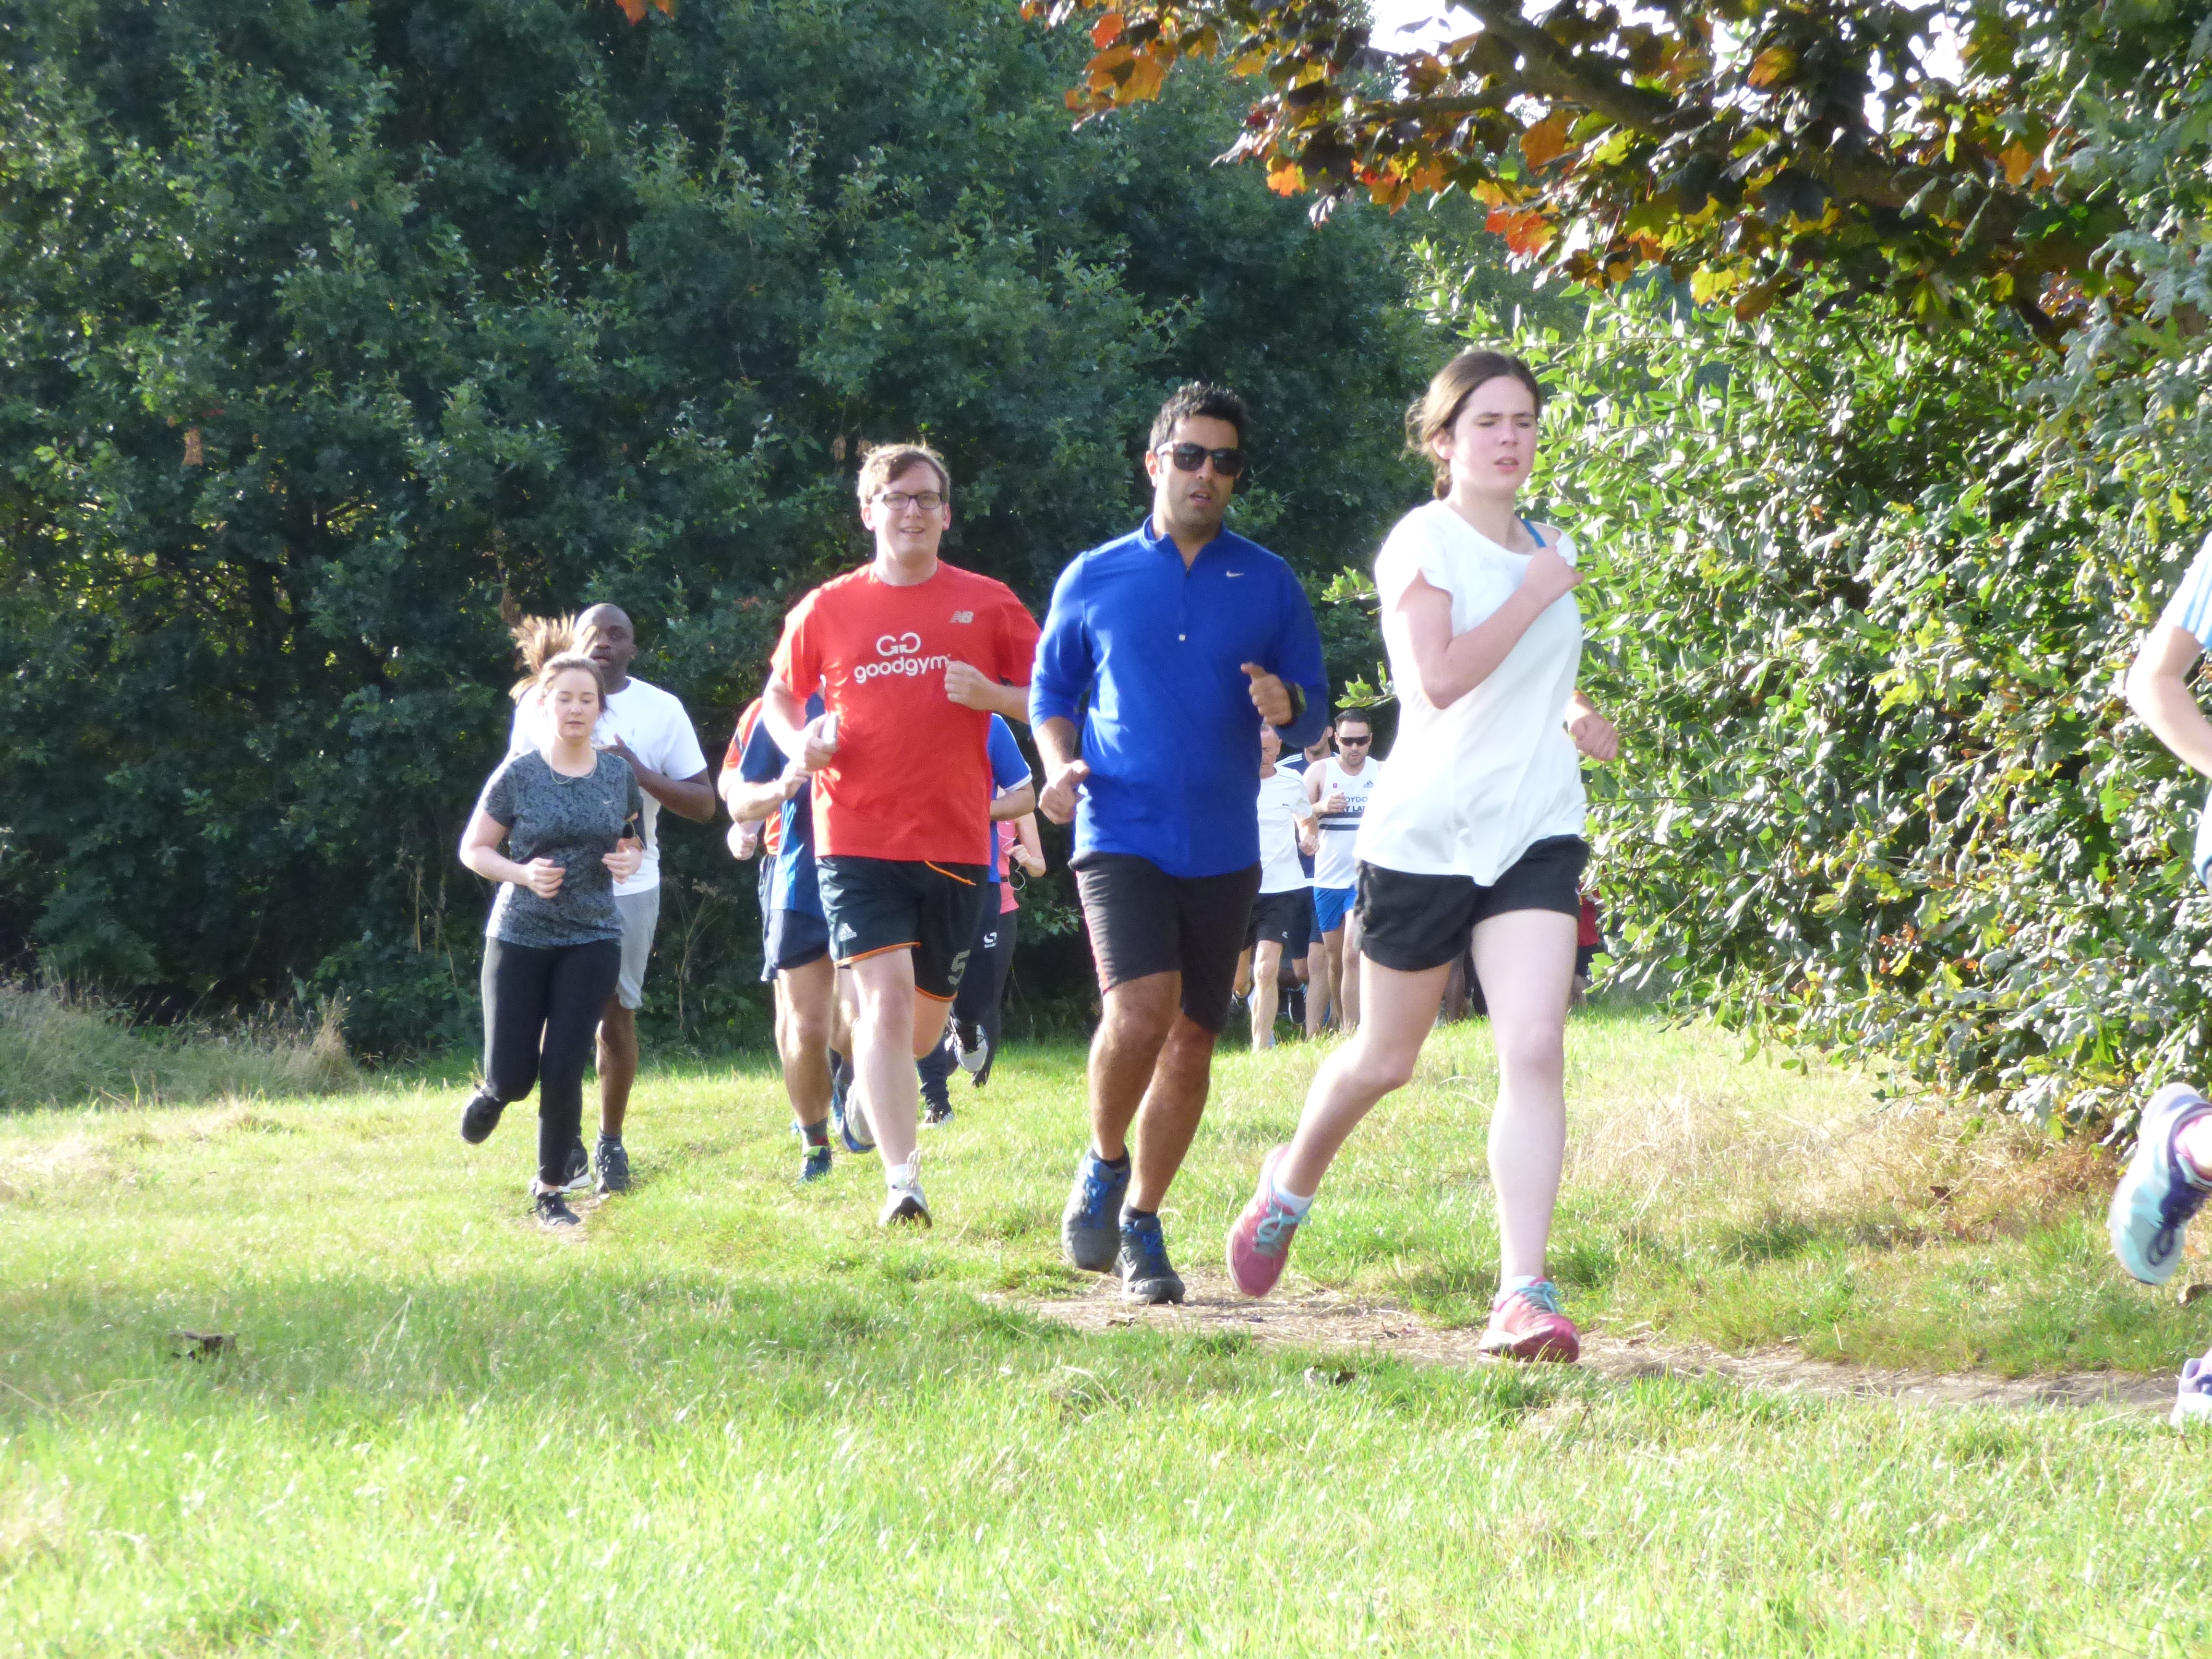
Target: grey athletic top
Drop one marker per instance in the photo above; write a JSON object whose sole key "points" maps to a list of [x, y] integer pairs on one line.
{"points": [[574, 821]]}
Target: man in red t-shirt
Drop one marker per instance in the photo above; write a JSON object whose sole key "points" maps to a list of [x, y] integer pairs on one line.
{"points": [[911, 658]]}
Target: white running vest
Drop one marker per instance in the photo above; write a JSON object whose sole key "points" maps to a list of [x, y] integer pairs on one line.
{"points": [[1334, 865]]}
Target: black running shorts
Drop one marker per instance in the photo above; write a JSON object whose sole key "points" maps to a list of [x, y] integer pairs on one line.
{"points": [[792, 939], [1413, 923], [875, 905], [1142, 920], [1285, 918]]}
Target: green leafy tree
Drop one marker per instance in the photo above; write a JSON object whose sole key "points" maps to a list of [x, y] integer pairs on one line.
{"points": [[328, 335]]}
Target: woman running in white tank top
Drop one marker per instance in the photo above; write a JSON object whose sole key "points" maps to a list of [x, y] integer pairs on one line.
{"points": [[1474, 830]]}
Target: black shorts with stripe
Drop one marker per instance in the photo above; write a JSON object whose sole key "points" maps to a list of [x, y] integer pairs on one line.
{"points": [[875, 905]]}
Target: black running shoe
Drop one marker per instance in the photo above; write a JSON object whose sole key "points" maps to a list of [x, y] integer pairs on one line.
{"points": [[579, 1168], [936, 1103], [553, 1212], [480, 1117], [1143, 1264], [613, 1164]]}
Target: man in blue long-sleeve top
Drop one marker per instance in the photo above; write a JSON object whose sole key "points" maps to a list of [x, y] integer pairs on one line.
{"points": [[1170, 646]]}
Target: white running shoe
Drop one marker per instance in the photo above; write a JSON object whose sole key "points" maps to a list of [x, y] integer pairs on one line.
{"points": [[973, 1057], [2193, 1404], [902, 1199]]}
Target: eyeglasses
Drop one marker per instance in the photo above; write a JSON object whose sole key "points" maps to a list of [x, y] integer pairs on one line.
{"points": [[1189, 457], [1360, 742], [898, 501]]}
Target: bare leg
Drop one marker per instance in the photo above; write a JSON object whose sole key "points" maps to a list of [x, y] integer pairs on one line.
{"points": [[1400, 1009], [1348, 971], [1318, 988], [1243, 983], [1334, 958], [617, 1061], [1267, 971], [806, 1004], [1174, 1102], [1525, 959], [888, 1036], [1132, 1031]]}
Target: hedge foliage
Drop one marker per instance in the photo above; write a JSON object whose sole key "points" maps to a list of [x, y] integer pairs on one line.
{"points": [[1863, 615]]}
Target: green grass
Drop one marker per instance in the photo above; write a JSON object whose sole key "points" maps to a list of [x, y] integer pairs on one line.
{"points": [[58, 1048], [735, 1419]]}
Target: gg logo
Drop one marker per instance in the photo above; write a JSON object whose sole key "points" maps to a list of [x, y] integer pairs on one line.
{"points": [[898, 645]]}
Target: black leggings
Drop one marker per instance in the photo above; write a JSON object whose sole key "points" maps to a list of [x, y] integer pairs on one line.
{"points": [[982, 987], [542, 1005]]}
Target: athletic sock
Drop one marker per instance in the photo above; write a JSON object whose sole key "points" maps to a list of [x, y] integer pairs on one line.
{"points": [[2193, 1148], [1116, 1164], [1296, 1204], [1518, 1282], [817, 1134], [1134, 1217]]}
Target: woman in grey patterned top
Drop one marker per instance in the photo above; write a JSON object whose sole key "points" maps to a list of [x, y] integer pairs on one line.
{"points": [[553, 944]]}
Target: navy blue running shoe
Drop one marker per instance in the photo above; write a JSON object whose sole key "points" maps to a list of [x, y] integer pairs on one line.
{"points": [[1090, 1225], [1143, 1264]]}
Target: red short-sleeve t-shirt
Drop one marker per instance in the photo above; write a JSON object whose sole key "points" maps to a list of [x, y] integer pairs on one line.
{"points": [[912, 780]]}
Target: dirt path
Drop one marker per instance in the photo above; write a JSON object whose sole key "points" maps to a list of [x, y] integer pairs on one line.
{"points": [[1323, 1319]]}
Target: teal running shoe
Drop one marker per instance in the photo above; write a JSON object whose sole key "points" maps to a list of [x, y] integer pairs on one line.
{"points": [[2156, 1199]]}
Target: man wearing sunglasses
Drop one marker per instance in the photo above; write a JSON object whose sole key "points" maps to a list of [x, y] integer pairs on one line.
{"points": [[1163, 652], [1338, 787]]}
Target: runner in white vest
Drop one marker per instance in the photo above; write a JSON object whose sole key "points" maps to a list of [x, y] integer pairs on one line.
{"points": [[1338, 788]]}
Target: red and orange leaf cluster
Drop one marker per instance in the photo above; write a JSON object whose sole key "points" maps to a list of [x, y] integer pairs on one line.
{"points": [[1744, 143]]}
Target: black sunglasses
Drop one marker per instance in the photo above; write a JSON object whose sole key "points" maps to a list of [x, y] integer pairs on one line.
{"points": [[1342, 740], [1189, 457]]}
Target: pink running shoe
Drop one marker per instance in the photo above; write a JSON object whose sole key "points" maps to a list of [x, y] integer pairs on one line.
{"points": [[1529, 1325], [1260, 1239]]}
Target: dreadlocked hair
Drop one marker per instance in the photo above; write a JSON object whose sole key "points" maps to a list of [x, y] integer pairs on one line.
{"points": [[549, 647]]}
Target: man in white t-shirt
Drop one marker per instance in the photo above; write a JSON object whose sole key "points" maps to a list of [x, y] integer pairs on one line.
{"points": [[1337, 787], [2170, 1171], [1285, 904], [648, 727]]}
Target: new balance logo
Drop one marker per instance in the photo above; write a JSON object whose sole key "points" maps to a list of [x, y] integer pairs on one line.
{"points": [[963, 615]]}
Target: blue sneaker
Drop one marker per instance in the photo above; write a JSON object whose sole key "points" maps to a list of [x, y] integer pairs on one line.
{"points": [[1143, 1264], [815, 1159], [1090, 1225], [850, 1124], [2155, 1199], [2194, 1403]]}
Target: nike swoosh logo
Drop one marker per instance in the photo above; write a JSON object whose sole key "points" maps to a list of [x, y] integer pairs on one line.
{"points": [[1236, 573]]}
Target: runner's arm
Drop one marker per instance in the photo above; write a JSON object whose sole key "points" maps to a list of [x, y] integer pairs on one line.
{"points": [[1028, 846], [2158, 690], [1594, 735], [785, 716], [750, 802], [1017, 802], [1450, 665], [692, 798], [967, 685]]}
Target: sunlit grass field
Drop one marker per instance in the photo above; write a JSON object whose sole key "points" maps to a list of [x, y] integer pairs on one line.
{"points": [[734, 1417]]}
